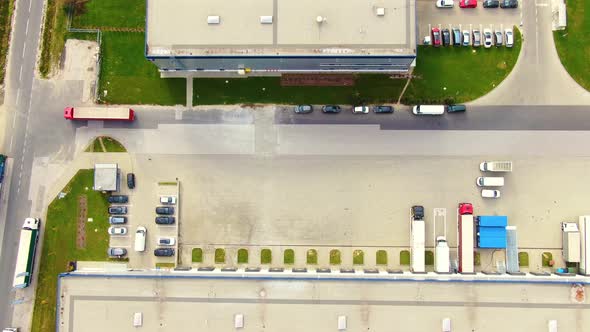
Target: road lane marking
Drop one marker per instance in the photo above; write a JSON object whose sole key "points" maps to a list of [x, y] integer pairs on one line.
{"points": [[27, 28], [30, 4], [24, 49], [13, 121], [17, 94], [20, 73], [10, 146], [542, 5]]}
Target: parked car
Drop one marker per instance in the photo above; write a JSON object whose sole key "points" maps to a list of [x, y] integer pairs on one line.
{"points": [[165, 210], [436, 37], [117, 210], [468, 3], [117, 220], [164, 252], [170, 200], [118, 199], [445, 3], [466, 38], [113, 230], [116, 252], [488, 40], [456, 37], [130, 180], [360, 109], [498, 37], [509, 3], [331, 109], [383, 109], [509, 37], [303, 109], [456, 108], [491, 3], [417, 212], [488, 193], [163, 220], [476, 38], [166, 241], [465, 208], [446, 37]]}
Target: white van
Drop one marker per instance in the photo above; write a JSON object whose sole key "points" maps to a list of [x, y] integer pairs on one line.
{"points": [[429, 110], [140, 235], [488, 181]]}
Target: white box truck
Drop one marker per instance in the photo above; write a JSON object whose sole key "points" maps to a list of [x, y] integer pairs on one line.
{"points": [[496, 166], [442, 262], [488, 181]]}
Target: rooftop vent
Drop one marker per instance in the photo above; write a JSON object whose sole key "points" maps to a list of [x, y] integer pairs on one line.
{"points": [[320, 19], [213, 19], [266, 19], [380, 11]]}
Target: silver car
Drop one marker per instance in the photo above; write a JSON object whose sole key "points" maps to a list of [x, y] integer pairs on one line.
{"points": [[117, 252], [499, 39], [476, 38], [466, 38]]}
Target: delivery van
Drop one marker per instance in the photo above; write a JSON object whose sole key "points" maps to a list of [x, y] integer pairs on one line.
{"points": [[429, 110], [488, 181], [140, 235]]}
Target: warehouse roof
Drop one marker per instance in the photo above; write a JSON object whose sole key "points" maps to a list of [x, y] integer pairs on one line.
{"points": [[106, 177], [286, 27]]}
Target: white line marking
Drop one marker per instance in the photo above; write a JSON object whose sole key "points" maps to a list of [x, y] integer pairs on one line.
{"points": [[10, 146], [27, 28], [542, 5], [24, 49], [20, 73], [30, 4], [14, 120], [17, 94]]}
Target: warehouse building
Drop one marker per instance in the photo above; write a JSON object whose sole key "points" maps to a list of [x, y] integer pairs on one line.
{"points": [[271, 37]]}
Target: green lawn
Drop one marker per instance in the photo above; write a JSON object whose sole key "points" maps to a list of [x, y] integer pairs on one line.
{"points": [[197, 255], [404, 257], [429, 257], [129, 78], [112, 13], [6, 11], [358, 257], [110, 144], [219, 256], [523, 259], [573, 43], [54, 35], [243, 256], [335, 257], [312, 256], [459, 74], [381, 257], [265, 256], [289, 256], [547, 259], [368, 88], [59, 243]]}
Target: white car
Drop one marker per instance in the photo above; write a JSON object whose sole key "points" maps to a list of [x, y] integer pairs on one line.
{"points": [[488, 40], [509, 37], [166, 241], [466, 38], [445, 3], [170, 200], [499, 39], [360, 109], [488, 193], [114, 230]]}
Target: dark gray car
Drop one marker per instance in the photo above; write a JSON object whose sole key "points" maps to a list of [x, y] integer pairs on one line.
{"points": [[164, 252], [117, 220], [491, 3], [456, 108], [331, 109], [165, 210], [162, 220], [446, 37], [118, 210], [118, 199], [117, 252], [383, 109]]}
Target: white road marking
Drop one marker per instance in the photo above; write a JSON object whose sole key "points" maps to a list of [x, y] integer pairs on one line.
{"points": [[27, 28], [17, 95], [14, 121], [542, 5], [30, 4], [24, 49], [11, 140], [20, 73]]}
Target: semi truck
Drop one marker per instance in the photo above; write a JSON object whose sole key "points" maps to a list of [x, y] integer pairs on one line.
{"points": [[99, 113], [25, 259], [465, 236], [496, 166], [417, 237]]}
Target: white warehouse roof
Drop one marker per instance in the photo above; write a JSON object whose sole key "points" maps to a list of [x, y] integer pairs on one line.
{"points": [[285, 27]]}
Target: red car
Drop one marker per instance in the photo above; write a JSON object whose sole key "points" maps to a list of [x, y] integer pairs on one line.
{"points": [[436, 37], [468, 3], [465, 208]]}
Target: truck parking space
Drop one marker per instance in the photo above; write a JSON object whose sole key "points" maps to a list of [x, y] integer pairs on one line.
{"points": [[464, 18]]}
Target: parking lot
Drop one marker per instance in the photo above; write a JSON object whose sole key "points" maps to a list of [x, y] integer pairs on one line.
{"points": [[143, 200], [429, 16]]}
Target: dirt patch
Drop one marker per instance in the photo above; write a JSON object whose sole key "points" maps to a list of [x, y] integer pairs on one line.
{"points": [[79, 63], [317, 80], [82, 218]]}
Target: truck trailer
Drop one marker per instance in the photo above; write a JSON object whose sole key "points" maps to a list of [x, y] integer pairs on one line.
{"points": [[496, 166], [99, 113], [417, 238], [27, 246], [465, 249]]}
